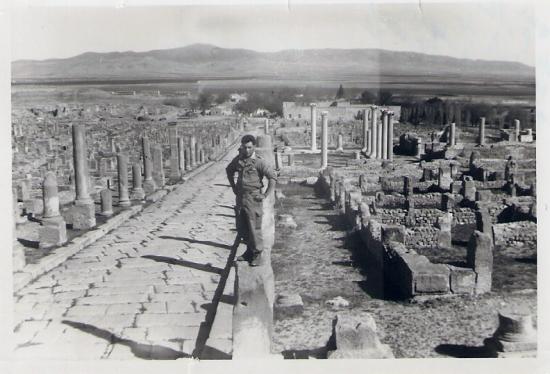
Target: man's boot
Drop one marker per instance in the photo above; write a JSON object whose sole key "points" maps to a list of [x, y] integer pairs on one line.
{"points": [[257, 259]]}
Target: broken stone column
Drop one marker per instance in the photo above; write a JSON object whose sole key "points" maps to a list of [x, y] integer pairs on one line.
{"points": [[515, 336], [181, 156], [356, 337], [452, 134], [123, 198], [197, 153], [482, 131], [324, 140], [53, 231], [252, 314], [278, 161], [373, 132], [106, 203], [137, 189], [291, 159], [384, 154], [444, 179], [149, 185], [480, 259], [313, 126], [389, 146], [201, 155], [517, 127], [266, 127], [444, 224], [158, 169], [365, 147], [192, 151], [340, 144], [83, 211], [407, 186], [469, 188]]}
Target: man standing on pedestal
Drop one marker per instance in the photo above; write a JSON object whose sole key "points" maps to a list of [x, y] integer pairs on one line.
{"points": [[250, 169]]}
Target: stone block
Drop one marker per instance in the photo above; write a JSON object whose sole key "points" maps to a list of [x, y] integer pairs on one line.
{"points": [[83, 216], [33, 206], [393, 233], [356, 337], [431, 278], [444, 239], [288, 306], [53, 232], [462, 280]]}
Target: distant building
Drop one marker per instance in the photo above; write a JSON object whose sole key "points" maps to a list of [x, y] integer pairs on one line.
{"points": [[340, 110], [236, 97]]}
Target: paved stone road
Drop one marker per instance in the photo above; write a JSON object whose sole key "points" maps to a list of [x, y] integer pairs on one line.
{"points": [[148, 289]]}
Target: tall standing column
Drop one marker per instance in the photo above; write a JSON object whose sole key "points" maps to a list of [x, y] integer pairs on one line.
{"points": [[174, 155], [83, 212], [390, 136], [452, 134], [324, 140], [149, 184], [193, 146], [122, 163], [482, 131], [373, 132], [53, 231], [181, 155], [158, 167], [517, 126], [137, 187], [384, 155], [369, 134], [313, 126], [365, 130], [266, 128], [379, 140]]}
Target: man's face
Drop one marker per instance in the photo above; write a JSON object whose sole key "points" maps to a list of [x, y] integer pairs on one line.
{"points": [[247, 149]]}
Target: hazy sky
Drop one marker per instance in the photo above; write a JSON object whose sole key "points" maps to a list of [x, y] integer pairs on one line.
{"points": [[481, 30]]}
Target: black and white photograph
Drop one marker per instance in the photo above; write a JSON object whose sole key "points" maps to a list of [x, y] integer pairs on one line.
{"points": [[277, 181]]}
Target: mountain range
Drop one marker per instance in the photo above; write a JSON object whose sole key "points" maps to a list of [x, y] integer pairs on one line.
{"points": [[204, 61]]}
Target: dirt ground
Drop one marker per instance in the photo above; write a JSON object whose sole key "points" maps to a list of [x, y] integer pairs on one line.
{"points": [[320, 261]]}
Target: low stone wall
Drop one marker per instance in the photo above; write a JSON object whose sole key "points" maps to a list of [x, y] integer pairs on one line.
{"points": [[523, 233]]}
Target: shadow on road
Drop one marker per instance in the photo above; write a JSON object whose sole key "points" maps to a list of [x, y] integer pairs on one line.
{"points": [[140, 350], [189, 264], [194, 241]]}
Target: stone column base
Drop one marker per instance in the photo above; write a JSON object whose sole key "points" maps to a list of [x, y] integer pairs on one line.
{"points": [[137, 194], [149, 186], [83, 216], [53, 232]]}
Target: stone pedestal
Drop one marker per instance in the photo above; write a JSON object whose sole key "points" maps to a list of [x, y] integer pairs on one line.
{"points": [[53, 232], [356, 337], [83, 216], [469, 189], [480, 259], [444, 179], [106, 203], [444, 237], [515, 335]]}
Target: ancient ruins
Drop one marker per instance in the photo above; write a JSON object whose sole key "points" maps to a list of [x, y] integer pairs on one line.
{"points": [[114, 218]]}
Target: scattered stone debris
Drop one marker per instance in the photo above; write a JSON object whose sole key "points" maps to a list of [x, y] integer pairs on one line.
{"points": [[338, 302]]}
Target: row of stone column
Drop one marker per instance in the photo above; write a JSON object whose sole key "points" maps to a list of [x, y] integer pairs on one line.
{"points": [[378, 135]]}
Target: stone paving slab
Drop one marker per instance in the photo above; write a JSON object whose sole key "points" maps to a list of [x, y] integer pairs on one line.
{"points": [[142, 291]]}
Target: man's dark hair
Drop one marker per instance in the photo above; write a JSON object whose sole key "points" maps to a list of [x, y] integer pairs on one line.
{"points": [[248, 138]]}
